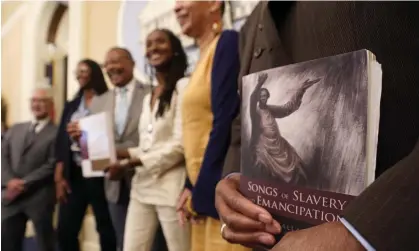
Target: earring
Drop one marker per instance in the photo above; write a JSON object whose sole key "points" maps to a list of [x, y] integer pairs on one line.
{"points": [[216, 27]]}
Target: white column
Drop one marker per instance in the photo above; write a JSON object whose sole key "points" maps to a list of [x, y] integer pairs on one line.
{"points": [[76, 44], [29, 57]]}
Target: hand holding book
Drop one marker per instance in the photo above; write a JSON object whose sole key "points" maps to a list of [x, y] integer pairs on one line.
{"points": [[308, 167], [246, 222]]}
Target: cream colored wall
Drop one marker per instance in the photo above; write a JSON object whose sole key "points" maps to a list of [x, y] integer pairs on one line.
{"points": [[11, 59], [61, 41], [8, 8], [101, 33]]}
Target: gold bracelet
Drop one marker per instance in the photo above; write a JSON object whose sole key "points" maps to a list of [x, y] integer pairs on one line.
{"points": [[190, 207]]}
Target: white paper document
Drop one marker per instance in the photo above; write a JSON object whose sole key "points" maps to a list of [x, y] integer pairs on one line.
{"points": [[97, 144]]}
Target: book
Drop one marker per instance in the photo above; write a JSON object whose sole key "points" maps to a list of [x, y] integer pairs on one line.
{"points": [[97, 144], [309, 136]]}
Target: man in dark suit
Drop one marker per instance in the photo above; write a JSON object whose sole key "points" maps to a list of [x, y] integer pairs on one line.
{"points": [[385, 216], [27, 184]]}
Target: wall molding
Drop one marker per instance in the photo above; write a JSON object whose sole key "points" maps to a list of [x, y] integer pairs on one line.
{"points": [[32, 63], [76, 42], [12, 20]]}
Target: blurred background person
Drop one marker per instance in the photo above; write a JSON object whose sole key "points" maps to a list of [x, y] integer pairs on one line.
{"points": [[209, 106], [3, 129], [160, 173], [124, 103], [73, 191], [3, 118], [27, 177]]}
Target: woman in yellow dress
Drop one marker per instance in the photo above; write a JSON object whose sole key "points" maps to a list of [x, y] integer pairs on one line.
{"points": [[210, 103]]}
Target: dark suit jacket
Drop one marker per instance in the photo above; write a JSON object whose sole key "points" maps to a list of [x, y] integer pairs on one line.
{"points": [[63, 152], [33, 162], [282, 33]]}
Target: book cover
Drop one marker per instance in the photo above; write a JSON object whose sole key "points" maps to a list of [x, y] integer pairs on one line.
{"points": [[309, 136]]}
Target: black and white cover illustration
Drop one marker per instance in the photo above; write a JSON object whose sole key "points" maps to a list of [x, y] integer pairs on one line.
{"points": [[306, 124]]}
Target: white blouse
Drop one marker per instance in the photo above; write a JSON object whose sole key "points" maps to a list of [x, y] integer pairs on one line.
{"points": [[160, 180]]}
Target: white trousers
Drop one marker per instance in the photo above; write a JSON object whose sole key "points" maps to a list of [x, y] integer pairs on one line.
{"points": [[141, 225]]}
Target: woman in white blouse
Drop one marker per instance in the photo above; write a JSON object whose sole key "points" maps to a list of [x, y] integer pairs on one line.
{"points": [[158, 160]]}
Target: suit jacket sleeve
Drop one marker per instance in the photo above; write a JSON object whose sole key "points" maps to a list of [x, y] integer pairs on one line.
{"points": [[386, 213], [225, 105], [6, 169], [232, 161], [45, 171], [61, 145], [163, 157]]}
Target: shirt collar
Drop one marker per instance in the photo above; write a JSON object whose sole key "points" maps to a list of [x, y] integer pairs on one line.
{"points": [[129, 87], [40, 123]]}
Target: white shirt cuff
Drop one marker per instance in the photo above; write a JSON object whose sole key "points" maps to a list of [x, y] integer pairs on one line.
{"points": [[357, 235]]}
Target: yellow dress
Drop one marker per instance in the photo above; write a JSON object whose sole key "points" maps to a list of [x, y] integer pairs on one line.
{"points": [[197, 120]]}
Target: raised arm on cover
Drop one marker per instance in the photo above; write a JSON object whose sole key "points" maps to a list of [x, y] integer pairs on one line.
{"points": [[281, 111]]}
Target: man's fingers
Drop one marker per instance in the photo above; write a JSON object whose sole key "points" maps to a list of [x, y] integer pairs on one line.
{"points": [[244, 206], [274, 227], [250, 239], [239, 222], [237, 202]]}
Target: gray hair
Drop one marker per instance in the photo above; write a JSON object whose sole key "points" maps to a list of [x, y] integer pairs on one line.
{"points": [[44, 88]]}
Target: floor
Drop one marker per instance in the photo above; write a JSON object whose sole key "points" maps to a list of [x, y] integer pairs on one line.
{"points": [[30, 245]]}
